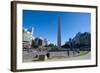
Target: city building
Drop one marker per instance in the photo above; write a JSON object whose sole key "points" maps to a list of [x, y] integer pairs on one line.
{"points": [[82, 38], [45, 42], [40, 42], [27, 37]]}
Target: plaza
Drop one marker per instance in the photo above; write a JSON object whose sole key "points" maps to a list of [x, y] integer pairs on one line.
{"points": [[39, 50], [30, 56]]}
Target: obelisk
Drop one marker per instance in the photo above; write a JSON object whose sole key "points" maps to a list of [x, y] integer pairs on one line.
{"points": [[59, 34]]}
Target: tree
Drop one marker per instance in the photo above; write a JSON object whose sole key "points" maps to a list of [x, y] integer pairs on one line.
{"points": [[65, 45], [51, 45]]}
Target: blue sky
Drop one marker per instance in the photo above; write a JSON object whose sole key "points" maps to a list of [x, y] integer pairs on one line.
{"points": [[45, 24]]}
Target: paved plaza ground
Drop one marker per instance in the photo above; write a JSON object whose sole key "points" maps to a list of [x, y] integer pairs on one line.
{"points": [[30, 56], [84, 57]]}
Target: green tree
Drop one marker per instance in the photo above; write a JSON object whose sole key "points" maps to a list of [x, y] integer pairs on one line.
{"points": [[51, 45]]}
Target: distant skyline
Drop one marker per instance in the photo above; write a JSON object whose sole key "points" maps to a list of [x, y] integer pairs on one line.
{"points": [[45, 24]]}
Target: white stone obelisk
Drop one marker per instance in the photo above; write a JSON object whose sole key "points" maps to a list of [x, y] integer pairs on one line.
{"points": [[59, 34]]}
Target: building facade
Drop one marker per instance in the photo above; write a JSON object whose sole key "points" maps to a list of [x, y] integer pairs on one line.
{"points": [[27, 38], [40, 42]]}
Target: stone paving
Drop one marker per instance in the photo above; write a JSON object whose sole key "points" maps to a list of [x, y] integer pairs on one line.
{"points": [[32, 55]]}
